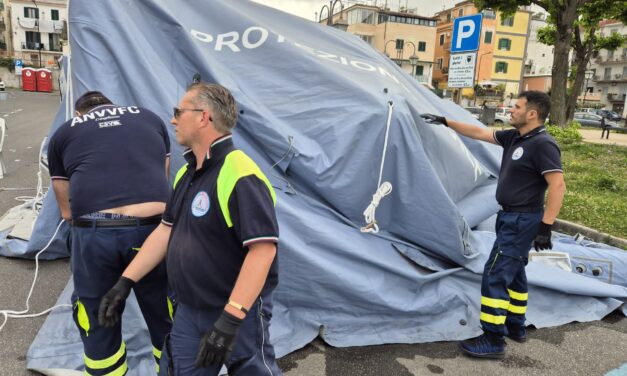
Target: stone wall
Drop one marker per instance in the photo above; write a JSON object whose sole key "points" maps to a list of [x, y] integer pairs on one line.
{"points": [[11, 80]]}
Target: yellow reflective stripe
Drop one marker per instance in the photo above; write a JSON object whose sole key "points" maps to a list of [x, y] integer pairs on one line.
{"points": [[494, 303], [170, 308], [179, 175], [517, 309], [136, 249], [157, 367], [121, 371], [236, 166], [156, 352], [108, 362], [497, 320], [518, 295], [82, 318]]}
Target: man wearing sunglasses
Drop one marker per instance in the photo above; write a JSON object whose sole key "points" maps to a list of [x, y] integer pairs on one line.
{"points": [[107, 170], [218, 235]]}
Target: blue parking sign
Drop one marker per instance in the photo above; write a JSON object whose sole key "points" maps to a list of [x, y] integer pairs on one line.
{"points": [[19, 63], [466, 33]]}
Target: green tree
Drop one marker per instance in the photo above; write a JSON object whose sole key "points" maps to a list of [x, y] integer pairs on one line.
{"points": [[586, 42], [573, 24]]}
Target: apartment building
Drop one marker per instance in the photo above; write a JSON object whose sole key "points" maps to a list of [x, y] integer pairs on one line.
{"points": [[405, 37], [609, 69], [36, 30], [502, 48]]}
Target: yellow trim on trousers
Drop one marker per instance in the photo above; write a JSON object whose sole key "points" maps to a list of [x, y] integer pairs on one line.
{"points": [[518, 295], [494, 303], [496, 320], [108, 362]]}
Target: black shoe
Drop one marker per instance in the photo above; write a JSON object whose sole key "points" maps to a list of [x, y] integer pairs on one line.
{"points": [[519, 334], [483, 347]]}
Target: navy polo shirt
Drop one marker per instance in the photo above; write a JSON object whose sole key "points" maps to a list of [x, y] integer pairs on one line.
{"points": [[216, 212], [525, 161], [112, 156]]}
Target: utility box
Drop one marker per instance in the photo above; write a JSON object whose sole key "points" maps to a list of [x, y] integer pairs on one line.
{"points": [[44, 80], [29, 79], [488, 115]]}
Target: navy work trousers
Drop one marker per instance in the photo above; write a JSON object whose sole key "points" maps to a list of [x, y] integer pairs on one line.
{"points": [[504, 284], [98, 257], [253, 353]]}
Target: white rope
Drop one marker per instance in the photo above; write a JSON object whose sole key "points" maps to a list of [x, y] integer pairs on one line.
{"points": [[24, 314], [382, 189]]}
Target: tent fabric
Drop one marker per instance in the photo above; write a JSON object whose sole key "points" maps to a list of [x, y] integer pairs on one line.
{"points": [[313, 110]]}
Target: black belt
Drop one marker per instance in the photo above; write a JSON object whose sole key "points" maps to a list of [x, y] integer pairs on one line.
{"points": [[124, 222], [521, 209]]}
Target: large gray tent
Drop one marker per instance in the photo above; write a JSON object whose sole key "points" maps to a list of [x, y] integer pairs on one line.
{"points": [[315, 104]]}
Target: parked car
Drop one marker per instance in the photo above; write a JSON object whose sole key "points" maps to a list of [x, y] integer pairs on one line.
{"points": [[609, 115], [592, 120], [1, 85], [588, 110], [502, 116]]}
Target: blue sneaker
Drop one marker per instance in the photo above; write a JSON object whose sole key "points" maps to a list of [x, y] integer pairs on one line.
{"points": [[483, 347], [518, 334]]}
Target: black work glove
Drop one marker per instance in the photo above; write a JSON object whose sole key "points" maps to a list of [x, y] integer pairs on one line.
{"points": [[109, 311], [543, 238], [431, 118], [217, 344]]}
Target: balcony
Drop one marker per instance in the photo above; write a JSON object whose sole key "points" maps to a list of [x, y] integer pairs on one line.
{"points": [[422, 78], [612, 97], [622, 58], [611, 78], [32, 46]]}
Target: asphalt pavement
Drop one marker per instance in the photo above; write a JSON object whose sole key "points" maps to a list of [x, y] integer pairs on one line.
{"points": [[594, 348]]}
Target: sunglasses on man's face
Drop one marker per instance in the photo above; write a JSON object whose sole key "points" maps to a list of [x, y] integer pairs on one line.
{"points": [[177, 111]]}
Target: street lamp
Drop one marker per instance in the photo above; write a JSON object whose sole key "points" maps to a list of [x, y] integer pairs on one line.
{"points": [[341, 24], [589, 74], [413, 59], [38, 32]]}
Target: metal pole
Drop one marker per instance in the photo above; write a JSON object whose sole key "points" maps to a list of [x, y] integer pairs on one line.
{"points": [[585, 90], [38, 32]]}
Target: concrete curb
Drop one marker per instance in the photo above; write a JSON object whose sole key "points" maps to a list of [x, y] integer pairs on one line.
{"points": [[597, 236]]}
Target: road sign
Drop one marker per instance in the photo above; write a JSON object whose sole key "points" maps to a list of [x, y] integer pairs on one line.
{"points": [[466, 33], [19, 64], [461, 70]]}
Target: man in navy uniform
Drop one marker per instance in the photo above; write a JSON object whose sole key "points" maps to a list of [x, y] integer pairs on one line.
{"points": [[530, 165], [218, 235], [109, 168]]}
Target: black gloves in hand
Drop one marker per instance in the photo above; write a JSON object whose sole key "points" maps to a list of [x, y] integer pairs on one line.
{"points": [[543, 238], [109, 312], [217, 345], [434, 119]]}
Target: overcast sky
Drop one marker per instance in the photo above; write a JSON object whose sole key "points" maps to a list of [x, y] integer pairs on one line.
{"points": [[308, 8]]}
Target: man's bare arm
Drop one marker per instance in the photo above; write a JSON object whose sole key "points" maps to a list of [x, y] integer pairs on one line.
{"points": [[555, 196], [472, 131], [152, 252], [61, 190], [252, 276]]}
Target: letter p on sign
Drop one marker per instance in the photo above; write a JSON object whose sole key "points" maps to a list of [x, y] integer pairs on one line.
{"points": [[466, 29], [466, 33]]}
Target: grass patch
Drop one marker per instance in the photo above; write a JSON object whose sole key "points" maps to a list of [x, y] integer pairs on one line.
{"points": [[596, 181]]}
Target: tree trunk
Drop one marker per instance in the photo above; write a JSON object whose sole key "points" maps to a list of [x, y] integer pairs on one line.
{"points": [[583, 53], [563, 39]]}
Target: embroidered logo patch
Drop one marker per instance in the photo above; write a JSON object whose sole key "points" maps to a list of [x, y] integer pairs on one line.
{"points": [[200, 204], [517, 153]]}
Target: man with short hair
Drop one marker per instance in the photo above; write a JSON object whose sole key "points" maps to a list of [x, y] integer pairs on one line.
{"points": [[107, 170], [218, 234], [530, 164]]}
